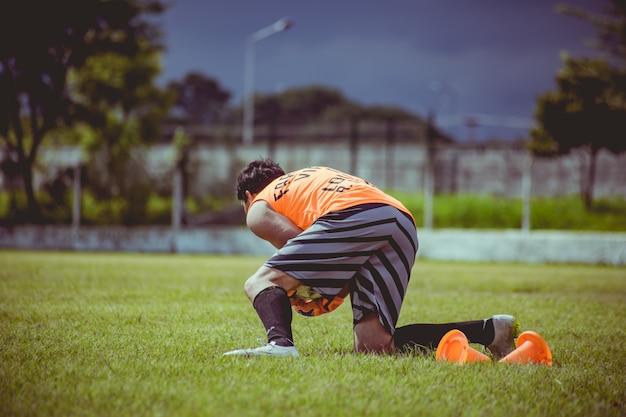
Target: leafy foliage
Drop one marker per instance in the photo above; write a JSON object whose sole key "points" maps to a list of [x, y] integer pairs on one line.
{"points": [[125, 110], [47, 41], [588, 108], [610, 28], [199, 99]]}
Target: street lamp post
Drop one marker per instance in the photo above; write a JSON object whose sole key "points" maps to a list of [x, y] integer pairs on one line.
{"points": [[248, 107], [450, 121]]}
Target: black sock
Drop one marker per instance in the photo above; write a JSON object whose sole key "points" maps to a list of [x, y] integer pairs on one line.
{"points": [[274, 309], [427, 336]]}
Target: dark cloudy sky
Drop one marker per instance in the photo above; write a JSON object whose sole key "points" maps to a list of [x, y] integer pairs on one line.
{"points": [[485, 58]]}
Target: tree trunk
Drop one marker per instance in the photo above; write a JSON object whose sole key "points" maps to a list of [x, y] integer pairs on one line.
{"points": [[24, 162], [591, 178], [33, 211], [25, 165]]}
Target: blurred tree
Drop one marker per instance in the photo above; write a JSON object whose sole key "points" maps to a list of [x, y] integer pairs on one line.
{"points": [[199, 99], [125, 109], [303, 104], [298, 109], [588, 109], [43, 42], [610, 28]]}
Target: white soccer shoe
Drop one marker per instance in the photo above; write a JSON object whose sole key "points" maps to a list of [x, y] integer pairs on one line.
{"points": [[271, 349], [506, 330]]}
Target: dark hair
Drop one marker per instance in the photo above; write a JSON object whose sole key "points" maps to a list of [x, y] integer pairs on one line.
{"points": [[256, 176]]}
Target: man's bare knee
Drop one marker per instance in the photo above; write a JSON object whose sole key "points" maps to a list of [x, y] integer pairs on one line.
{"points": [[371, 337], [266, 277]]}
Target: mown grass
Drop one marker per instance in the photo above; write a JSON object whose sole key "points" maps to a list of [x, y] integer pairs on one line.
{"points": [[143, 334]]}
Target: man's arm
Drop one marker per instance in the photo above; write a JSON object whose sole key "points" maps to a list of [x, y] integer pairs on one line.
{"points": [[269, 225]]}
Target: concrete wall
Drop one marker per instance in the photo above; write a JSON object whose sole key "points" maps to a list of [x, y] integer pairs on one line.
{"points": [[491, 171], [453, 245], [401, 167], [216, 240]]}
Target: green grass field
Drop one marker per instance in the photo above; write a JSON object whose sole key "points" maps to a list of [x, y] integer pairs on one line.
{"points": [[143, 334]]}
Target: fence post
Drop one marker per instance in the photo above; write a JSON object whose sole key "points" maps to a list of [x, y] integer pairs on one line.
{"points": [[526, 192], [180, 142], [177, 196], [429, 172], [76, 198]]}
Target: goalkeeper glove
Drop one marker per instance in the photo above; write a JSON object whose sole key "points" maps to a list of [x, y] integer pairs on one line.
{"points": [[314, 307]]}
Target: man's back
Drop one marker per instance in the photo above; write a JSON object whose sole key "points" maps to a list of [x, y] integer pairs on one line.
{"points": [[307, 194]]}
